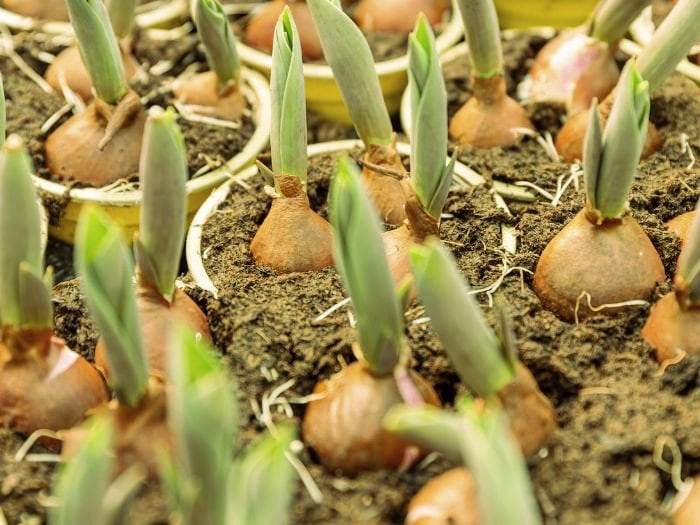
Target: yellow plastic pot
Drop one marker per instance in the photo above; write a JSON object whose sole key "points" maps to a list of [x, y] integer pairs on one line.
{"points": [[162, 15], [322, 92], [124, 207], [534, 13]]}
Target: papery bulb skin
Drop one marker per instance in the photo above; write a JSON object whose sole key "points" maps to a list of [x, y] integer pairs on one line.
{"points": [[572, 69], [69, 68], [489, 118], [449, 499], [141, 432], [45, 385], [344, 427], [73, 153], [689, 511], [260, 31], [681, 226], [398, 16], [56, 10], [673, 329], [293, 238], [385, 190], [532, 417], [158, 319], [613, 262], [203, 90], [569, 141]]}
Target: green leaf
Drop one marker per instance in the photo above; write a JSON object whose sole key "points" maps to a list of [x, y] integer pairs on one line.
{"points": [[623, 142], [592, 153], [483, 36], [103, 261], [203, 416], [163, 175], [219, 42], [612, 19], [430, 177], [670, 44], [36, 310], [262, 482], [689, 262], [350, 58], [288, 138], [20, 228], [121, 15], [473, 348], [3, 113], [361, 262], [98, 48], [83, 481]]}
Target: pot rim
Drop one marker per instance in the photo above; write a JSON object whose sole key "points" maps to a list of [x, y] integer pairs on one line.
{"points": [[153, 17], [262, 116], [452, 34], [193, 247]]}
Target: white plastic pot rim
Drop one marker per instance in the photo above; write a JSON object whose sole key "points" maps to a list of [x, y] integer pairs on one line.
{"points": [[451, 35], [193, 248], [262, 116]]}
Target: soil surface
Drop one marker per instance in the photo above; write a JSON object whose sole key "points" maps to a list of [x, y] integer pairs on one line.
{"points": [[613, 401]]}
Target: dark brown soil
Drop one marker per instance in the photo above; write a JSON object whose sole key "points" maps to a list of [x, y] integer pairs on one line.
{"points": [[28, 107], [611, 401]]}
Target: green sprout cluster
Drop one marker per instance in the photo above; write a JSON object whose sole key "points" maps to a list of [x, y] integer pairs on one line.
{"points": [[218, 39], [483, 36]]}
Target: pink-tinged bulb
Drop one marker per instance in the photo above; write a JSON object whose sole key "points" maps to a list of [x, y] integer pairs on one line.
{"points": [[573, 69]]}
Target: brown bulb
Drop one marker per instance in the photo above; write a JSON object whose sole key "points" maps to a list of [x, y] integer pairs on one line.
{"points": [[570, 138], [449, 499], [613, 262], [673, 328], [44, 384], [689, 511], [681, 226], [488, 118], [47, 9], [293, 238], [260, 31], [203, 90], [532, 417], [573, 69], [73, 151], [158, 318], [382, 174], [344, 427], [69, 66], [398, 16]]}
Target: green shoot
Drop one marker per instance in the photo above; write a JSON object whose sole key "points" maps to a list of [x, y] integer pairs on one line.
{"points": [[121, 14], [612, 18], [611, 157], [361, 263], [215, 32], [483, 361], [103, 261], [488, 449], [262, 482], [430, 177], [83, 481], [25, 297], [670, 43], [288, 139], [689, 262], [202, 416], [483, 36], [99, 49], [350, 58], [163, 175]]}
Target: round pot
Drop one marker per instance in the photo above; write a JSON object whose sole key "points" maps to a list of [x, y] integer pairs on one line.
{"points": [[532, 13], [322, 93], [642, 29], [161, 15], [193, 248], [124, 207]]}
